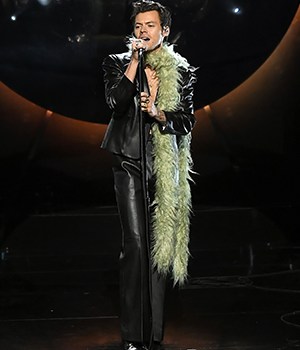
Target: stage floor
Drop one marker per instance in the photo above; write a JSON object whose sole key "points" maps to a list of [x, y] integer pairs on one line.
{"points": [[59, 284]]}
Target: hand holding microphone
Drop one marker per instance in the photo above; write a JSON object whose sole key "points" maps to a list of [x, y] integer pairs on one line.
{"points": [[138, 47]]}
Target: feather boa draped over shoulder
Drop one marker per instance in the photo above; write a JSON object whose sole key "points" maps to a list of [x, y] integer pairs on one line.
{"points": [[172, 164]]}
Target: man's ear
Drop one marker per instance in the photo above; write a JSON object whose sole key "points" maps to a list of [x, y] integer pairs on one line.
{"points": [[166, 31]]}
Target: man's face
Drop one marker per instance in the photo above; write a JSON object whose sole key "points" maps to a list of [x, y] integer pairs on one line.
{"points": [[148, 28]]}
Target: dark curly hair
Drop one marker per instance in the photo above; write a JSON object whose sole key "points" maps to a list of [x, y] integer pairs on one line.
{"points": [[148, 5]]}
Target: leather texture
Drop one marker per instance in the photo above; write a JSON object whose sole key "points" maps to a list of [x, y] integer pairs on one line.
{"points": [[142, 290], [122, 134]]}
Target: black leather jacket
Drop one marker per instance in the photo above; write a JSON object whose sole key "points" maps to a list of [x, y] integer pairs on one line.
{"points": [[122, 134]]}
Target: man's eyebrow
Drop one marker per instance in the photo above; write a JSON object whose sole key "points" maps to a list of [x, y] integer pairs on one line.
{"points": [[149, 22]]}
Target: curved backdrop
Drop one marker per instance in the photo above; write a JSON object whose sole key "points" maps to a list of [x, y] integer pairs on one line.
{"points": [[51, 51], [53, 116]]}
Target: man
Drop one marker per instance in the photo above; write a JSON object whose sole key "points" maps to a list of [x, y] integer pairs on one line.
{"points": [[149, 134]]}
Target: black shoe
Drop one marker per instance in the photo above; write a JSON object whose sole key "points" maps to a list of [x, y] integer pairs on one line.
{"points": [[128, 345]]}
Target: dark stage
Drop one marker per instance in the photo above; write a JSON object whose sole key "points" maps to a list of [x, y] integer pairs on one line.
{"points": [[59, 226], [60, 291]]}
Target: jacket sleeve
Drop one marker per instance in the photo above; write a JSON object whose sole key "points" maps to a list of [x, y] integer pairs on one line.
{"points": [[119, 90], [182, 121]]}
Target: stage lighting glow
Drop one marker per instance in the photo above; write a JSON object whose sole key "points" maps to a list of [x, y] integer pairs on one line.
{"points": [[44, 2], [13, 17], [236, 10]]}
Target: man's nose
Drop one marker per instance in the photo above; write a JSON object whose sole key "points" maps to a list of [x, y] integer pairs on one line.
{"points": [[143, 30]]}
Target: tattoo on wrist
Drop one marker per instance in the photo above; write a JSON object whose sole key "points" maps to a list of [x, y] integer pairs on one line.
{"points": [[161, 117]]}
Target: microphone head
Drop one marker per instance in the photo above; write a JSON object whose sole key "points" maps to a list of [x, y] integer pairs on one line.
{"points": [[141, 50]]}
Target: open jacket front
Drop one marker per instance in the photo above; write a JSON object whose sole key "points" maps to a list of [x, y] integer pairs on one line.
{"points": [[122, 135]]}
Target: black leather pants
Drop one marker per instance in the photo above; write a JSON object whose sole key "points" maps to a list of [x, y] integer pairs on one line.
{"points": [[142, 290]]}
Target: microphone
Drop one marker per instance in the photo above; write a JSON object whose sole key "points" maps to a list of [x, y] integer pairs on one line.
{"points": [[141, 51], [140, 41]]}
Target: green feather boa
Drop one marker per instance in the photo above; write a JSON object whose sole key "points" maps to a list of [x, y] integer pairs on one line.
{"points": [[172, 165]]}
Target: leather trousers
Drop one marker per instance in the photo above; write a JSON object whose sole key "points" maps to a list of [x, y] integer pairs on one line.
{"points": [[142, 290]]}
